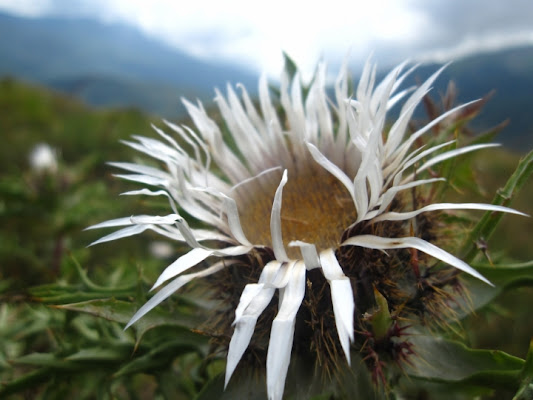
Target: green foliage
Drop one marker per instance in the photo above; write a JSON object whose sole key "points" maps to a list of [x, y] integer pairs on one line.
{"points": [[446, 361]]}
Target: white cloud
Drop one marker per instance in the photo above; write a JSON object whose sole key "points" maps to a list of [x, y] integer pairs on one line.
{"points": [[250, 32], [256, 33], [478, 44], [26, 8]]}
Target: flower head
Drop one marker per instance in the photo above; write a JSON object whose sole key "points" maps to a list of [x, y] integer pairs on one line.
{"points": [[310, 203], [43, 158]]}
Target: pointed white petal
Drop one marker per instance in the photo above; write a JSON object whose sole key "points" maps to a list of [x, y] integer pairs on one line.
{"points": [[283, 275], [232, 213], [309, 254], [450, 154], [182, 264], [275, 222], [389, 195], [191, 138], [360, 197], [254, 299], [270, 271], [412, 159], [152, 219], [141, 169], [250, 291], [254, 178], [187, 233], [282, 334], [398, 130], [397, 168], [122, 233], [111, 223], [171, 288], [341, 297], [395, 216], [225, 158], [200, 234], [204, 234], [331, 168], [234, 222], [377, 242], [232, 251], [244, 328], [146, 146], [145, 179], [404, 147], [343, 307], [147, 192]]}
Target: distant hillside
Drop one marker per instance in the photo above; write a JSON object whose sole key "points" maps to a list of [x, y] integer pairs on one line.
{"points": [[31, 114], [510, 74], [155, 98], [117, 66], [108, 64]]}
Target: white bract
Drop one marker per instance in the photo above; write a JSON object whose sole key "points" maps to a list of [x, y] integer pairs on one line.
{"points": [[222, 186]]}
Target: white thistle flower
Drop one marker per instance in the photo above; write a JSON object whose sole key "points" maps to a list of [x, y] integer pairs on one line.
{"points": [[43, 158], [295, 185]]}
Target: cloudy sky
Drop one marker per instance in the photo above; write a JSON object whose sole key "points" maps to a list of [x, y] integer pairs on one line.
{"points": [[255, 33]]}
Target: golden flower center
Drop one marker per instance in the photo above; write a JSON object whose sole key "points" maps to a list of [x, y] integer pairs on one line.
{"points": [[316, 208]]}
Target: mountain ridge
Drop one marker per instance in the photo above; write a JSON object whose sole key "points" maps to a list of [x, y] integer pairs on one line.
{"points": [[62, 52], [109, 65]]}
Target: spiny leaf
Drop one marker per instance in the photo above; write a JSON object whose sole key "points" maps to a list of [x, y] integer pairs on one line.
{"points": [[161, 355], [121, 312], [25, 382], [503, 278], [447, 361], [243, 387], [488, 136], [94, 287], [60, 294], [46, 360], [101, 354]]}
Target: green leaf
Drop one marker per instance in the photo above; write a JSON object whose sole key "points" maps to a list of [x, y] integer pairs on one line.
{"points": [[97, 288], [447, 361], [304, 381], [486, 226], [46, 360], [122, 311], [25, 382], [163, 354], [489, 135], [64, 294], [61, 293], [101, 354], [503, 278], [525, 392], [243, 386]]}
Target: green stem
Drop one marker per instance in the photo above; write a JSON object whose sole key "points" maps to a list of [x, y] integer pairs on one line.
{"points": [[504, 196]]}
